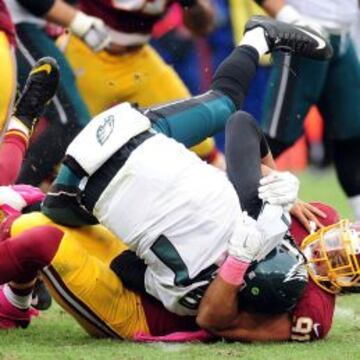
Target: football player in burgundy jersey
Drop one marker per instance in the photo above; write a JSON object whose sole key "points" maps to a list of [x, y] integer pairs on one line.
{"points": [[311, 318], [70, 258]]}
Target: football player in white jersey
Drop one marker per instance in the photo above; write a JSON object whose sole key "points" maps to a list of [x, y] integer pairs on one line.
{"points": [[333, 86], [180, 215]]}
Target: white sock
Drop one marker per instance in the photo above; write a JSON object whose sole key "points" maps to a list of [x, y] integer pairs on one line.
{"points": [[355, 205], [256, 39], [16, 124], [20, 302]]}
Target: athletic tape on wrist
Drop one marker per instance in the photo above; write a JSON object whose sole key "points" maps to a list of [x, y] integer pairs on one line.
{"points": [[233, 270]]}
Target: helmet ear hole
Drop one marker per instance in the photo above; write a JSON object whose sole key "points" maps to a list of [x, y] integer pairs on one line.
{"points": [[275, 284]]}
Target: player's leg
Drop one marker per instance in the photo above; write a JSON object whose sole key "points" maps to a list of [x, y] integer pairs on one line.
{"points": [[245, 146], [39, 88], [295, 84], [230, 83], [22, 257], [81, 281], [190, 121], [340, 107], [8, 80], [67, 113], [210, 110]]}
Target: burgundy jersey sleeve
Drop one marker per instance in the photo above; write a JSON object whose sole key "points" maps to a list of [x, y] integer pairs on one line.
{"points": [[313, 315], [6, 24]]}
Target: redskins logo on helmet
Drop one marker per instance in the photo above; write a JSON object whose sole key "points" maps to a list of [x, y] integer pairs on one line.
{"points": [[333, 254]]}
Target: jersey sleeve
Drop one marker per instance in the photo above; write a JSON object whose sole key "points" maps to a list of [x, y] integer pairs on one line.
{"points": [[313, 315], [62, 203]]}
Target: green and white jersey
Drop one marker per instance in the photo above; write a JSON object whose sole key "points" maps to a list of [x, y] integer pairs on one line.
{"points": [[177, 213]]}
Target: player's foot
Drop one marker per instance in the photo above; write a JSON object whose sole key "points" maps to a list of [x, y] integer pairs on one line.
{"points": [[41, 299], [39, 89], [12, 317], [298, 40]]}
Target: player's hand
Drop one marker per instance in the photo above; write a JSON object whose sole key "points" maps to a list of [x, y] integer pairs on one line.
{"points": [[307, 214], [247, 240], [279, 188], [92, 30]]}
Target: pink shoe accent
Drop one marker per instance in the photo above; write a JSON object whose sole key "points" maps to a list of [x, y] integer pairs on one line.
{"points": [[182, 336], [9, 210], [29, 193], [11, 317]]}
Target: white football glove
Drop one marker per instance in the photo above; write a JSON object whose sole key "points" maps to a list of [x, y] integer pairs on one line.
{"points": [[279, 188], [92, 30], [273, 223], [247, 240], [290, 15]]}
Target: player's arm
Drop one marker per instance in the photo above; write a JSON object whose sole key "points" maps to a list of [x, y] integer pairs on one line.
{"points": [[301, 210], [199, 16], [219, 314], [90, 29], [63, 202]]}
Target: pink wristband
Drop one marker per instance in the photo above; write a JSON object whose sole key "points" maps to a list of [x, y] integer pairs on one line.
{"points": [[233, 270]]}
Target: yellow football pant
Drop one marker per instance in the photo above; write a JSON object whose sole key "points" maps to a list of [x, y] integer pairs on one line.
{"points": [[80, 280], [141, 77], [8, 80]]}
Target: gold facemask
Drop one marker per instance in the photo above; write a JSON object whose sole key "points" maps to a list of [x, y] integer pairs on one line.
{"points": [[332, 256]]}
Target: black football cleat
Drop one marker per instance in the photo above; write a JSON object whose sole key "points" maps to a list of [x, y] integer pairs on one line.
{"points": [[41, 299], [300, 40], [39, 89]]}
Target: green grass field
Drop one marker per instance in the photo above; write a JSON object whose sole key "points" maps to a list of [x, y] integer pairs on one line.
{"points": [[56, 336]]}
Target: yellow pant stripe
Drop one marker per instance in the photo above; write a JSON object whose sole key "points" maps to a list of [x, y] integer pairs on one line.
{"points": [[72, 304]]}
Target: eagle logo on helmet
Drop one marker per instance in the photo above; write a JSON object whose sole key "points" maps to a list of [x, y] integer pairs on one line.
{"points": [[297, 272]]}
